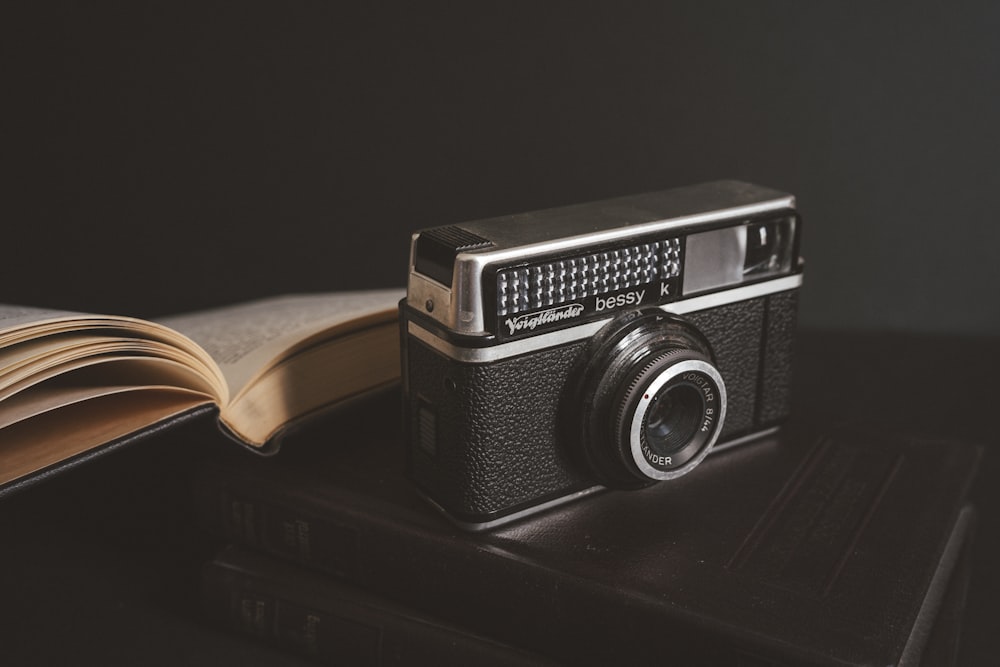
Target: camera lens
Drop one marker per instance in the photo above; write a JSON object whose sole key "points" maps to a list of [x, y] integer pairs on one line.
{"points": [[670, 413], [653, 402], [672, 418]]}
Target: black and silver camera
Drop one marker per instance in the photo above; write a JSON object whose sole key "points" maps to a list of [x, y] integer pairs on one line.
{"points": [[550, 354]]}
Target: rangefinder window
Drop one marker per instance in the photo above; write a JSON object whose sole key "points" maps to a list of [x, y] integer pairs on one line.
{"points": [[738, 254]]}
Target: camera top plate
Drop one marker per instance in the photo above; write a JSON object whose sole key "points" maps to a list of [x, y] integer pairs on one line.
{"points": [[631, 250]]}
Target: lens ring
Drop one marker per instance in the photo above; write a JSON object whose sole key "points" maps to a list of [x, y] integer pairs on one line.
{"points": [[706, 378], [617, 369]]}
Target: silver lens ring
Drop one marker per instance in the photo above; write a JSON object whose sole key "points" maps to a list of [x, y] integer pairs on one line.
{"points": [[689, 370]]}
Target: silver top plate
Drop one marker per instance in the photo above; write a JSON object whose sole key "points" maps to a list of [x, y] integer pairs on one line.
{"points": [[529, 235]]}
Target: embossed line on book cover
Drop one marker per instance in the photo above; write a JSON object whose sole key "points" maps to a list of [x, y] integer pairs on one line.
{"points": [[809, 532]]}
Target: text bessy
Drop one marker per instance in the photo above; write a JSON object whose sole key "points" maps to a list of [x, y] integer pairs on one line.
{"points": [[619, 300]]}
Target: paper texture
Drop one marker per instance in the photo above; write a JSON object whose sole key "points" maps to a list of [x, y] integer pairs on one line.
{"points": [[243, 339]]}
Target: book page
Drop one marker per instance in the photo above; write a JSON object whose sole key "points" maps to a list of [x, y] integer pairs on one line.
{"points": [[116, 375], [49, 357], [12, 317], [244, 340], [316, 378], [25, 331], [14, 357]]}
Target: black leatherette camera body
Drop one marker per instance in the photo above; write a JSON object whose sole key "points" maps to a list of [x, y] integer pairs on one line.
{"points": [[501, 427]]}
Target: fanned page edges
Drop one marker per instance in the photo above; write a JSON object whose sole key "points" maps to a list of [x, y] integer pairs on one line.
{"points": [[313, 379], [290, 356], [72, 382]]}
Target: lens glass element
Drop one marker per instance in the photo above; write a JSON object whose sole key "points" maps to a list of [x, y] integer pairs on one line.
{"points": [[673, 418]]}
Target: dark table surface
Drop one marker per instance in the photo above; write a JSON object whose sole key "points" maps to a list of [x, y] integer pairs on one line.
{"points": [[100, 565]]}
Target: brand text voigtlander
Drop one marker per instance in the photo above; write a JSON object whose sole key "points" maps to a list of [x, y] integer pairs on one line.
{"points": [[530, 321]]}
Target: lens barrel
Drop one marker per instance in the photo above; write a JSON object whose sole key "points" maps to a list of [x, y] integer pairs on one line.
{"points": [[653, 402]]}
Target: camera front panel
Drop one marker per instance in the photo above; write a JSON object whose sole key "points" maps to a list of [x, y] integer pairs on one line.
{"points": [[493, 440]]}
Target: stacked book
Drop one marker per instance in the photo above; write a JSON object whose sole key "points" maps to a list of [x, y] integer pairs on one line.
{"points": [[847, 547]]}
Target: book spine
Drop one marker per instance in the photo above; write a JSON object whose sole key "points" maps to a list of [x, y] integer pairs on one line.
{"points": [[238, 602], [337, 624]]}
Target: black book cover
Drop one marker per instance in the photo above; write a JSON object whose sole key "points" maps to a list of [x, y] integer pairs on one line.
{"points": [[337, 623], [833, 549]]}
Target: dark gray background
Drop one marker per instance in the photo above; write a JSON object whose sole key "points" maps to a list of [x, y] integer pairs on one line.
{"points": [[166, 158]]}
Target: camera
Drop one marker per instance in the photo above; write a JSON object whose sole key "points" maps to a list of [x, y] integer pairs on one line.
{"points": [[613, 344]]}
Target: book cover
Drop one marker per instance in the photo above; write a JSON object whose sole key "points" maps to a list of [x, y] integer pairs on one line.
{"points": [[828, 549], [334, 622], [77, 385]]}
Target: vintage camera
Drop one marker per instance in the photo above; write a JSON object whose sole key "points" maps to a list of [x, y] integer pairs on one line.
{"points": [[550, 354]]}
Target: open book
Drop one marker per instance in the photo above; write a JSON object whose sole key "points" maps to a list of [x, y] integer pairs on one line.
{"points": [[71, 383]]}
